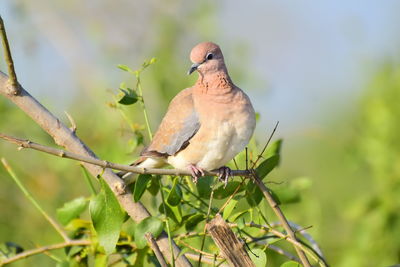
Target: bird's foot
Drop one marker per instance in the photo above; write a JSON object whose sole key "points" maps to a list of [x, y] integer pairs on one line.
{"points": [[223, 174], [196, 172]]}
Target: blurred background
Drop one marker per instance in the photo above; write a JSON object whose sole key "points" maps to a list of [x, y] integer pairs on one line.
{"points": [[328, 72]]}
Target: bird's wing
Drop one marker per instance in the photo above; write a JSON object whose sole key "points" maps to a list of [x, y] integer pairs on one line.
{"points": [[178, 126]]}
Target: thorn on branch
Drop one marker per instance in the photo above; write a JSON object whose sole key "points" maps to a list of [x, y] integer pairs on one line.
{"points": [[73, 127], [13, 87]]}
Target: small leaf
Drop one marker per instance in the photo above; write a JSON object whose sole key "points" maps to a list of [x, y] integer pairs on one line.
{"points": [[154, 185], [175, 195], [74, 250], [193, 221], [124, 67], [71, 210], [253, 194], [173, 212], [229, 208], [140, 186], [204, 186], [129, 96], [153, 60], [267, 166], [107, 217], [9, 249], [223, 192], [151, 225], [259, 257], [238, 215], [291, 264]]}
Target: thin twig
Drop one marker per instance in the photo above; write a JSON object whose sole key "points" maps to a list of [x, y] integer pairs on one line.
{"points": [[266, 145], [106, 164], [205, 259], [28, 195], [152, 243], [205, 226], [167, 222], [281, 217], [35, 251], [13, 82], [201, 252], [302, 230]]}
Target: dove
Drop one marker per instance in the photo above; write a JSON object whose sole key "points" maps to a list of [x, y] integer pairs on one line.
{"points": [[205, 125]]}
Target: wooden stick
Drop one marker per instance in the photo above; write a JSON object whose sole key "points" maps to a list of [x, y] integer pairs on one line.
{"points": [[231, 248]]}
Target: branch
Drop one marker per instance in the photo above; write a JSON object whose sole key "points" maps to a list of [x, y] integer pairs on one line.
{"points": [[63, 136], [281, 217], [23, 143], [35, 251], [153, 245]]}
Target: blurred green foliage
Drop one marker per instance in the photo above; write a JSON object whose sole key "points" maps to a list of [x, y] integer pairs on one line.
{"points": [[351, 200]]}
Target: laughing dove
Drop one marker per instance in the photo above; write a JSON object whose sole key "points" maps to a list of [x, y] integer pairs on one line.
{"points": [[205, 125]]}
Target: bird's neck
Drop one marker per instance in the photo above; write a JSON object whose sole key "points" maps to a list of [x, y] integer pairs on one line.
{"points": [[215, 83]]}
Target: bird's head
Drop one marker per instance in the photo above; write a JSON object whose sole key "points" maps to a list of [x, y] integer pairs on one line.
{"points": [[207, 58]]}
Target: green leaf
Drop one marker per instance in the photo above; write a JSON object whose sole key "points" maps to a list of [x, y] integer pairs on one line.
{"points": [[152, 60], [253, 194], [63, 263], [173, 212], [193, 221], [267, 166], [140, 186], [124, 68], [229, 208], [259, 257], [107, 217], [9, 249], [223, 192], [71, 210], [100, 260], [204, 186], [238, 215], [291, 264], [154, 185], [128, 97], [151, 225], [74, 250], [273, 149], [175, 195]]}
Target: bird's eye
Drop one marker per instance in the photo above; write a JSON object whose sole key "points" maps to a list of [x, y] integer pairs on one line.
{"points": [[209, 56]]}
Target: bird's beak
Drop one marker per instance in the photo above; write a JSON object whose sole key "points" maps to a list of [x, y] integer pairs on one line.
{"points": [[193, 68]]}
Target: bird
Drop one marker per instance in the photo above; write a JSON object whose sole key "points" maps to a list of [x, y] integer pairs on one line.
{"points": [[205, 125]]}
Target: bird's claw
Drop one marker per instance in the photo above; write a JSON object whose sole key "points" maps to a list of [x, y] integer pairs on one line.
{"points": [[196, 172], [223, 175]]}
